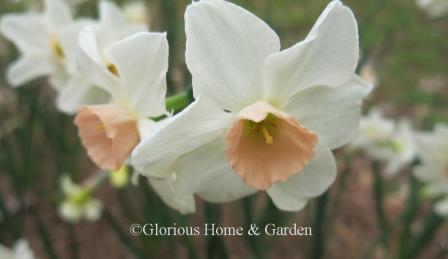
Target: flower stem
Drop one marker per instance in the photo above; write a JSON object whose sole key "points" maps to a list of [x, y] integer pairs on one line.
{"points": [[252, 241], [124, 238], [429, 229], [379, 201], [215, 244], [412, 205], [318, 249], [177, 103], [341, 188], [43, 233]]}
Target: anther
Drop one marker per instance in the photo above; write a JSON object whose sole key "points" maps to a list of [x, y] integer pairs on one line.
{"points": [[268, 138]]}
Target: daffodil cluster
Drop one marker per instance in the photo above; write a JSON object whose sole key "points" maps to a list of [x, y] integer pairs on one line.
{"points": [[263, 118], [387, 141]]}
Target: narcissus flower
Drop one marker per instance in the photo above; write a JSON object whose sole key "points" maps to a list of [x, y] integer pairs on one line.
{"points": [[133, 71], [111, 27], [386, 140], [263, 119], [48, 44], [433, 171], [21, 250], [43, 40], [78, 202]]}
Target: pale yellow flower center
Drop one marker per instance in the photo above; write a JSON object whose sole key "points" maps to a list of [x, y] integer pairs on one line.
{"points": [[56, 49]]}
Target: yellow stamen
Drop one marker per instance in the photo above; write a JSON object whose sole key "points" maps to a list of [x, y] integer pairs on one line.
{"points": [[268, 138], [56, 49], [100, 127], [112, 68]]}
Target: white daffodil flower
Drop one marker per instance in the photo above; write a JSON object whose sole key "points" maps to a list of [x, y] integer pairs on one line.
{"points": [[48, 45], [78, 202], [434, 8], [111, 27], [263, 119], [21, 250], [387, 141], [133, 71], [433, 171], [41, 39]]}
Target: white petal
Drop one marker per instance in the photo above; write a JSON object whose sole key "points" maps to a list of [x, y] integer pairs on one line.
{"points": [[311, 182], [198, 124], [206, 172], [5, 252], [430, 171], [441, 207], [328, 56], [27, 31], [90, 63], [68, 38], [226, 50], [441, 130], [69, 212], [28, 68], [142, 63], [332, 112], [435, 189], [78, 92], [22, 250], [113, 25], [69, 187], [110, 14], [432, 147], [57, 14], [394, 166], [164, 188], [93, 210], [146, 127]]}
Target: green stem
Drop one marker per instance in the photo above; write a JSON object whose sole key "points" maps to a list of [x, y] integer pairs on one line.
{"points": [[318, 248], [215, 244], [95, 181], [45, 237], [427, 234], [9, 222], [408, 215], [252, 240], [192, 254], [270, 214], [381, 239], [124, 238], [336, 204], [73, 242], [177, 103], [379, 200]]}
